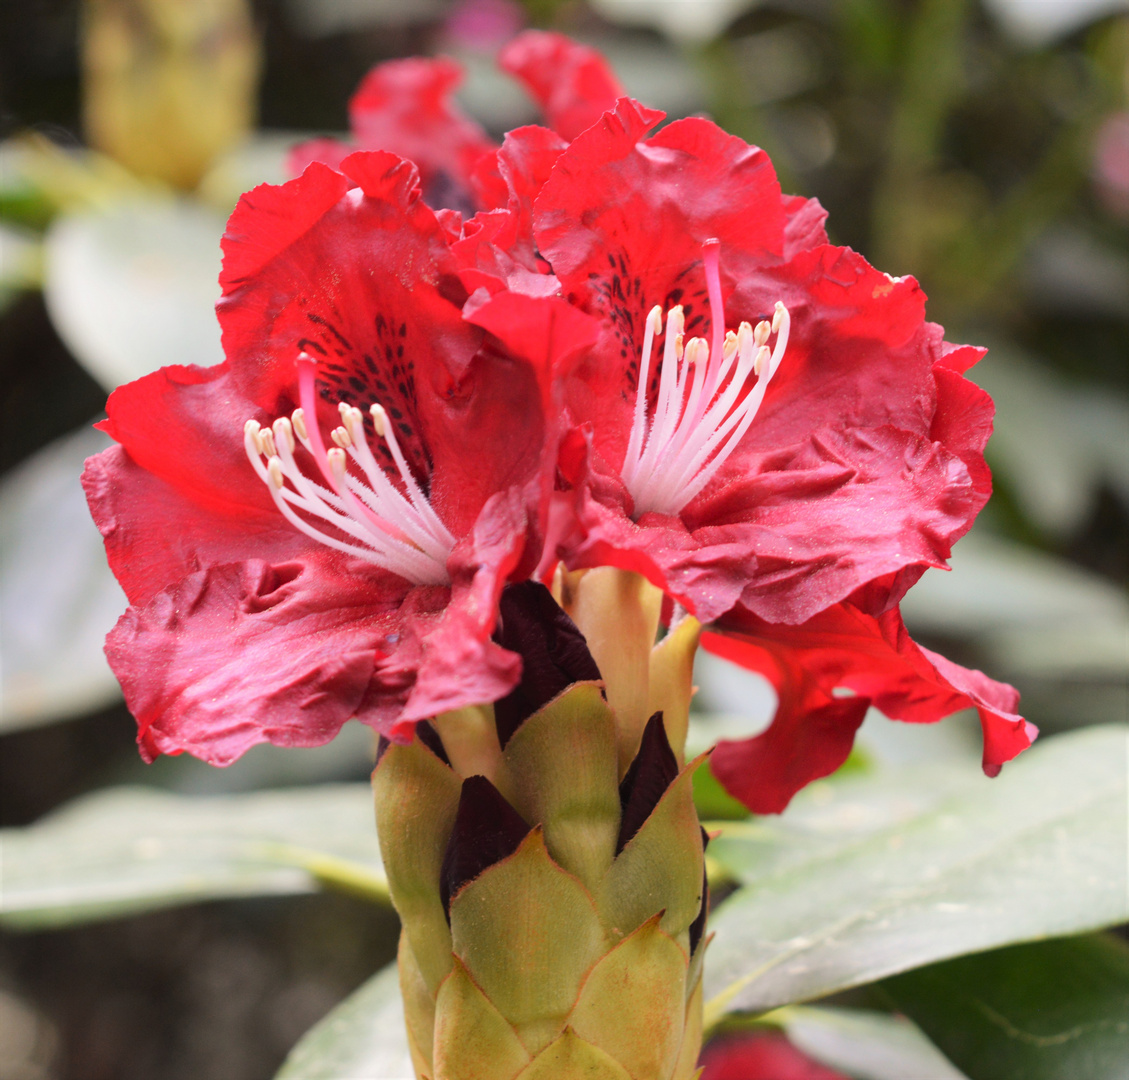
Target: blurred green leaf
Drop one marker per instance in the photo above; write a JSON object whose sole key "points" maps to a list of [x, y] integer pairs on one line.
{"points": [[1050, 1010], [907, 868], [362, 1039], [128, 850]]}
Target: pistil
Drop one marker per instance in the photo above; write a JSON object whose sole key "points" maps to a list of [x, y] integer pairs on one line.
{"points": [[384, 520], [708, 396]]}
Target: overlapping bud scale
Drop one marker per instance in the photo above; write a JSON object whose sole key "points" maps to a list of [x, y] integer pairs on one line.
{"points": [[552, 903]]}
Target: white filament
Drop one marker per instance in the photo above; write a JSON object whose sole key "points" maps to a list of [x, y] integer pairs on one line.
{"points": [[391, 526], [697, 421]]}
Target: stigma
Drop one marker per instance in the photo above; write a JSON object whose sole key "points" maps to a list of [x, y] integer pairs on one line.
{"points": [[709, 393], [343, 497]]}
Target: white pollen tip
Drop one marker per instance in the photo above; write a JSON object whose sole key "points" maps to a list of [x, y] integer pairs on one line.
{"points": [[343, 408], [675, 320], [274, 471], [283, 433], [379, 418], [341, 437], [777, 314], [679, 345], [729, 348], [760, 334], [655, 319], [760, 361], [298, 418], [336, 458], [266, 441]]}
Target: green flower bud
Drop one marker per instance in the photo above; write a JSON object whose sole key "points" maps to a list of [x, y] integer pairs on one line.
{"points": [[578, 953]]}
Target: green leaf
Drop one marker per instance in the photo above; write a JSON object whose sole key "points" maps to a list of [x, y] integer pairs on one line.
{"points": [[863, 1044], [1049, 1010], [920, 866], [362, 1039], [134, 849]]}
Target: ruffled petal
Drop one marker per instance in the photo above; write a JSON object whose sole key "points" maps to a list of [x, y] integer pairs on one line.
{"points": [[706, 570], [157, 533], [242, 653], [496, 250], [571, 82], [813, 730], [622, 223], [407, 107]]}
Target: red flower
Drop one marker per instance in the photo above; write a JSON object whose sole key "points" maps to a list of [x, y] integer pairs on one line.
{"points": [[279, 588], [802, 431], [813, 730], [760, 1056], [768, 429], [406, 106]]}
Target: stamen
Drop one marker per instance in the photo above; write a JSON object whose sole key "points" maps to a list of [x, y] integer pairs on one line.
{"points": [[368, 515], [700, 415]]}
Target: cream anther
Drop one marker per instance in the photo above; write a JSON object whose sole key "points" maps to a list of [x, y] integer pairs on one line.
{"points": [[284, 433], [342, 497], [274, 471], [337, 463], [697, 351], [298, 418], [707, 397], [379, 419], [251, 435]]}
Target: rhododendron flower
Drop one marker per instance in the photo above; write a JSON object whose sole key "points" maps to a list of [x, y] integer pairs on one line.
{"points": [[407, 107], [320, 527], [767, 428]]}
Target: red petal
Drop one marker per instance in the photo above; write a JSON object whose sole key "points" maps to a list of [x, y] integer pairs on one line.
{"points": [[572, 83], [244, 653], [760, 1056], [381, 325], [497, 249], [157, 533], [546, 331], [328, 151], [407, 107], [460, 665], [803, 224], [875, 657], [622, 223]]}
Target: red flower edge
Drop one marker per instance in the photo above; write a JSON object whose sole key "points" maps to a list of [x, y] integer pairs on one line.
{"points": [[845, 648]]}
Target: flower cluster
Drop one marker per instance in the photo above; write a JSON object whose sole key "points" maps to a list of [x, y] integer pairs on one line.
{"points": [[454, 366]]}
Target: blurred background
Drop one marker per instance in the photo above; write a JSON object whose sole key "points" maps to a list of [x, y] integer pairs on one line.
{"points": [[981, 145]]}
